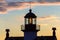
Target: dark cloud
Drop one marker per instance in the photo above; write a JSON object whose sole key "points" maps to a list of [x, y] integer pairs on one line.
{"points": [[13, 4], [57, 0], [50, 0], [32, 0], [15, 0], [45, 0], [1, 0], [2, 9], [2, 4]]}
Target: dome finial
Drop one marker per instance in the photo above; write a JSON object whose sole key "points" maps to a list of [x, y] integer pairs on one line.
{"points": [[30, 10]]}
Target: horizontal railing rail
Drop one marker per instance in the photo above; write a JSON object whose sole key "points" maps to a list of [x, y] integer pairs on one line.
{"points": [[23, 27]]}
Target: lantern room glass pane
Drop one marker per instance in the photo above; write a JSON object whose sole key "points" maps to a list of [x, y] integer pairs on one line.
{"points": [[26, 20], [30, 20], [34, 21]]}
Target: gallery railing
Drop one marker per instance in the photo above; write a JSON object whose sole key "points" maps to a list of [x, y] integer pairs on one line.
{"points": [[23, 27]]}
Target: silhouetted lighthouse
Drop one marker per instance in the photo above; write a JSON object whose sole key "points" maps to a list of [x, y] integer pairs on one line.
{"points": [[30, 28]]}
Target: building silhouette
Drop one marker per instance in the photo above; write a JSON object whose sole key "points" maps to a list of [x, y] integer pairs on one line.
{"points": [[30, 30]]}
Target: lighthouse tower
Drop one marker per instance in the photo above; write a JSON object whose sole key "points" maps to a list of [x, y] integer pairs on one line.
{"points": [[30, 27]]}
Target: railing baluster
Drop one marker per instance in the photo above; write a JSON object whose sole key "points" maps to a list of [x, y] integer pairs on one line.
{"points": [[38, 27], [22, 27]]}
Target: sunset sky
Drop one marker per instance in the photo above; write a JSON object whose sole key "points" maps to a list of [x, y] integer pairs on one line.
{"points": [[12, 14]]}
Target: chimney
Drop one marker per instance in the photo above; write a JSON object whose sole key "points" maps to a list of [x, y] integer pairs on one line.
{"points": [[54, 33], [7, 33]]}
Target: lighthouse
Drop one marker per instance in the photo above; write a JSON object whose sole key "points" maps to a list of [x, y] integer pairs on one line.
{"points": [[30, 27]]}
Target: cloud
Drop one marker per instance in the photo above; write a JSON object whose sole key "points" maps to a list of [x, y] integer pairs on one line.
{"points": [[33, 0], [17, 6], [9, 6], [49, 20], [23, 5], [1, 0], [2, 10], [48, 17], [4, 7], [15, 0]]}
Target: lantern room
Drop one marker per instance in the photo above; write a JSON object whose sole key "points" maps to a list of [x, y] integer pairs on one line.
{"points": [[30, 18]]}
